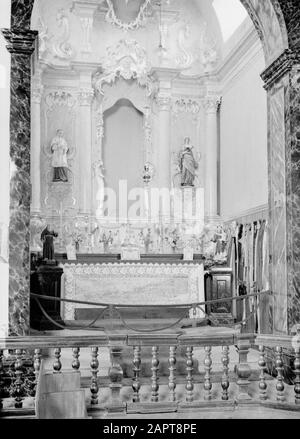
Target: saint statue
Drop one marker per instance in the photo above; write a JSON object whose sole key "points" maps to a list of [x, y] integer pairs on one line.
{"points": [[188, 164], [59, 149], [47, 237]]}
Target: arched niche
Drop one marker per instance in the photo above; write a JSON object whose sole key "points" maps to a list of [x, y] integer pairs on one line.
{"points": [[130, 91]]}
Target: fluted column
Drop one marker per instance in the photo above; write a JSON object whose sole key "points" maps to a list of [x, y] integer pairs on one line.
{"points": [[211, 105], [85, 97], [36, 97]]}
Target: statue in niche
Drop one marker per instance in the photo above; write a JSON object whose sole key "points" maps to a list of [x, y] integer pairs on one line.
{"points": [[187, 164], [47, 238], [59, 149]]}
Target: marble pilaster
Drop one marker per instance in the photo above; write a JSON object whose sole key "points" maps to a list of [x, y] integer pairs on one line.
{"points": [[282, 81], [21, 45]]}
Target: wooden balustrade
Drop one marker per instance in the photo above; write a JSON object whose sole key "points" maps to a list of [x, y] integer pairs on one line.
{"points": [[136, 385], [94, 388], [158, 393], [57, 363], [155, 378], [297, 374], [76, 355], [243, 370], [37, 365], [189, 379], [279, 368], [207, 376], [172, 377], [225, 378], [115, 374], [18, 381], [262, 377]]}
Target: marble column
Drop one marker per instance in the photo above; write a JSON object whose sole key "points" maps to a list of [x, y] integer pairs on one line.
{"points": [[36, 97], [282, 82], [211, 105], [21, 45], [85, 96]]}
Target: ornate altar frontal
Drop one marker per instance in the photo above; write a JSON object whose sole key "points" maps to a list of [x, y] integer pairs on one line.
{"points": [[133, 283]]}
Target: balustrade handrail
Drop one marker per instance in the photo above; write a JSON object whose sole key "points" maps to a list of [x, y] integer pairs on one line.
{"points": [[184, 338]]}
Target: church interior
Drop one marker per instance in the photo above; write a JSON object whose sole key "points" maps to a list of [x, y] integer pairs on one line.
{"points": [[149, 237]]}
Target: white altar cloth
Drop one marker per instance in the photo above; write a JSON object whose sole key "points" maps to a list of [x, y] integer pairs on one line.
{"points": [[132, 284]]}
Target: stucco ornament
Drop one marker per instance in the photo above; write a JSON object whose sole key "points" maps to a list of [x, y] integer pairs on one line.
{"points": [[127, 60], [138, 22], [62, 48]]}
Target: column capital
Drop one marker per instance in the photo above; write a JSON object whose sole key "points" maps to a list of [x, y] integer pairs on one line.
{"points": [[282, 65], [164, 101], [20, 41], [86, 96], [37, 93], [212, 103]]}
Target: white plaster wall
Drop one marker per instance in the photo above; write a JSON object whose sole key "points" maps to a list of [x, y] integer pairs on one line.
{"points": [[4, 163], [243, 156]]}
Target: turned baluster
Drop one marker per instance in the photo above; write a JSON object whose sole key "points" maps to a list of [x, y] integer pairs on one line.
{"points": [[136, 385], [279, 368], [18, 382], [172, 377], [57, 363], [36, 365], [297, 373], [76, 362], [115, 374], [1, 378], [243, 370], [154, 379], [189, 369], [262, 376], [207, 379], [94, 369], [225, 377]]}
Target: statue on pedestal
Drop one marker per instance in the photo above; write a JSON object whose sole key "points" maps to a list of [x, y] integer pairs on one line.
{"points": [[47, 238], [187, 164], [59, 149]]}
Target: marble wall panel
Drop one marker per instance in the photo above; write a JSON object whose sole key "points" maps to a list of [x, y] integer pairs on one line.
{"points": [[277, 186], [293, 194]]}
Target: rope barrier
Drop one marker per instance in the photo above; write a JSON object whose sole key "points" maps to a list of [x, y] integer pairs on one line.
{"points": [[112, 308]]}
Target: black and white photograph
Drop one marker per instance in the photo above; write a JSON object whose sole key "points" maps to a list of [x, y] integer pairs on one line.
{"points": [[149, 213]]}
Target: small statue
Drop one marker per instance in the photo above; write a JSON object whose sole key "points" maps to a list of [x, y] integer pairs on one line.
{"points": [[187, 164], [59, 149], [47, 237]]}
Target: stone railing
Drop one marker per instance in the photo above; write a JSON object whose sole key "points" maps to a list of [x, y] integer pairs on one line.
{"points": [[141, 391]]}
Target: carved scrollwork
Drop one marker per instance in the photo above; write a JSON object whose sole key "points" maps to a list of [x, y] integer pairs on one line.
{"points": [[127, 60]]}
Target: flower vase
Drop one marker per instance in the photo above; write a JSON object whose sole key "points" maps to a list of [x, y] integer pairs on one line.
{"points": [[77, 246]]}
